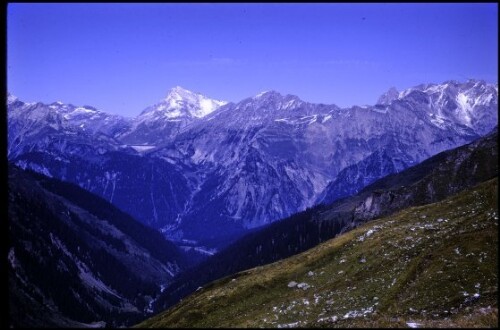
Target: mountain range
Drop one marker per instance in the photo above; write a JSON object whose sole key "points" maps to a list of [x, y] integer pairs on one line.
{"points": [[205, 171], [112, 219]]}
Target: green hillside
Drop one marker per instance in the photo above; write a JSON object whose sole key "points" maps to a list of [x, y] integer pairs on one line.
{"points": [[429, 266]]}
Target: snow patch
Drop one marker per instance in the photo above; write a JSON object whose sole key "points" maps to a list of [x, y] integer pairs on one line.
{"points": [[209, 252], [142, 148], [331, 319], [289, 325], [174, 112], [465, 108], [359, 313], [206, 106], [326, 118], [435, 89], [85, 110], [413, 324], [11, 99], [380, 110], [261, 94], [438, 121], [367, 234], [285, 120]]}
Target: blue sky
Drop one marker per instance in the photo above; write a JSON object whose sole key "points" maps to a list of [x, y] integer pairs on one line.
{"points": [[121, 58]]}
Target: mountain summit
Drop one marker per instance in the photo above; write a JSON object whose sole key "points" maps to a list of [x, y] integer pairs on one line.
{"points": [[160, 122], [181, 102], [389, 96], [11, 98]]}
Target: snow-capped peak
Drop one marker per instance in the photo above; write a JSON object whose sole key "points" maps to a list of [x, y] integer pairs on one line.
{"points": [[461, 103], [266, 94], [261, 94], [179, 92], [11, 98], [181, 102]]}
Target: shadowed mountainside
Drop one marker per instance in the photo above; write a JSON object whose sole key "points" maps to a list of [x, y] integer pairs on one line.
{"points": [[76, 260]]}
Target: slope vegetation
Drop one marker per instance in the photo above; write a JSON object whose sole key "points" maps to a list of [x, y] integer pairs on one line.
{"points": [[433, 265]]}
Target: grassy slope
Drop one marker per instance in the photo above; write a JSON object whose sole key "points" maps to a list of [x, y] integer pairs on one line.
{"points": [[435, 265]]}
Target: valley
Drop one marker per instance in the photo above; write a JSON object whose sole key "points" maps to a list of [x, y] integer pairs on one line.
{"points": [[194, 190]]}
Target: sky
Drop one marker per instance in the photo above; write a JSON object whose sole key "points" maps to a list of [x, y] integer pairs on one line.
{"points": [[121, 58]]}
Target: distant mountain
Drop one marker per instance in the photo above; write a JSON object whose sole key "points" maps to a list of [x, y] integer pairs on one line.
{"points": [[429, 266], [59, 127], [452, 103], [74, 260], [205, 172], [433, 180], [272, 155], [470, 107], [162, 121]]}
